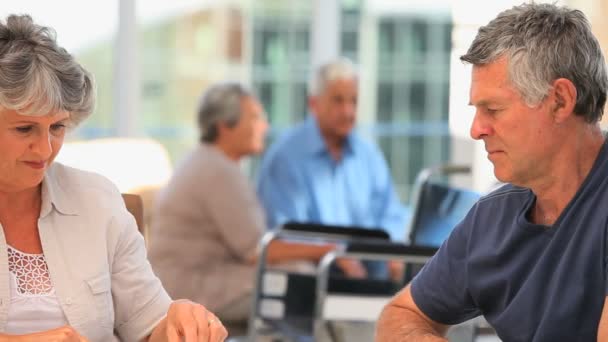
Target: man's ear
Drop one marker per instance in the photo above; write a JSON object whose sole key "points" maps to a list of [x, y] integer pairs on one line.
{"points": [[563, 98]]}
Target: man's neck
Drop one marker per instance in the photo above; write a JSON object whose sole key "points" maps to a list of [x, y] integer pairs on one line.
{"points": [[335, 146], [571, 168]]}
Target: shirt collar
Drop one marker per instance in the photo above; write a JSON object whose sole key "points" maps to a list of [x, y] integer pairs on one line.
{"points": [[54, 196], [314, 142]]}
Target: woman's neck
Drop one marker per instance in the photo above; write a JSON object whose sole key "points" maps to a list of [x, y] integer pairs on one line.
{"points": [[18, 203], [228, 150]]}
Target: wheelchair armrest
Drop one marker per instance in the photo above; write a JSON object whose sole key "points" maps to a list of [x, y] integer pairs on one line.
{"points": [[389, 248], [334, 230]]}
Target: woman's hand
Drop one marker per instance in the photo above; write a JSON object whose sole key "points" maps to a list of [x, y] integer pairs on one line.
{"points": [[61, 334], [189, 322]]}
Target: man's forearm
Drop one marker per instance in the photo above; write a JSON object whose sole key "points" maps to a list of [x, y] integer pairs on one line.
{"points": [[398, 324]]}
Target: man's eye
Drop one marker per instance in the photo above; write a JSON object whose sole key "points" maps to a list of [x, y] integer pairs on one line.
{"points": [[23, 129]]}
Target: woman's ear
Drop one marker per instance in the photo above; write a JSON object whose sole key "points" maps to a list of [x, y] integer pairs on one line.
{"points": [[222, 128], [563, 98]]}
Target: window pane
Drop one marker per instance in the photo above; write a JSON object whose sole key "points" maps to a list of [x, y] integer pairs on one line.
{"points": [[418, 101], [385, 102], [413, 74]]}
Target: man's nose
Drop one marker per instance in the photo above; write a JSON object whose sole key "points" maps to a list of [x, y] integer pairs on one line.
{"points": [[479, 127]]}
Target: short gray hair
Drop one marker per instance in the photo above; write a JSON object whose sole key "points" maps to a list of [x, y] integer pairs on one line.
{"points": [[38, 77], [544, 42], [341, 68], [220, 103]]}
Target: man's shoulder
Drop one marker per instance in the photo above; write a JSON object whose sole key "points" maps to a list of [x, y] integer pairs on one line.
{"points": [[289, 143], [361, 141], [365, 147], [507, 193], [293, 134]]}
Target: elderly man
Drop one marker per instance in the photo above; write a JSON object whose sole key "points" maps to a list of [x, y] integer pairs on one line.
{"points": [[323, 172], [531, 256]]}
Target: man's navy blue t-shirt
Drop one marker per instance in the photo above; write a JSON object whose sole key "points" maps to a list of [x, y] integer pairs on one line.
{"points": [[531, 282]]}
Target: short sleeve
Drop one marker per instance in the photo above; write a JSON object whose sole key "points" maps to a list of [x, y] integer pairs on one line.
{"points": [[440, 288]]}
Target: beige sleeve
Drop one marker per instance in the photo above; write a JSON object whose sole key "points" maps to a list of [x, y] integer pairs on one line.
{"points": [[140, 301]]}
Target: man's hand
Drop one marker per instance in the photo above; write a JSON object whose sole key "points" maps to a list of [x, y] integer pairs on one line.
{"points": [[189, 322], [352, 268], [61, 334]]}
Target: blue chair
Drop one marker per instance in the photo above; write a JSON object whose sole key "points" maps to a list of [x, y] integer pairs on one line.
{"points": [[437, 206]]}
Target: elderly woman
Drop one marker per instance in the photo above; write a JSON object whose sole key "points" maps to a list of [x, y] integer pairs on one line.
{"points": [[72, 264]]}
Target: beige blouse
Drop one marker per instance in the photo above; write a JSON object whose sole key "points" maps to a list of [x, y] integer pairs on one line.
{"points": [[96, 259], [208, 223]]}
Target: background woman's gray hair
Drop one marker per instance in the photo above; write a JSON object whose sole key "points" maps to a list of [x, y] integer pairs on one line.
{"points": [[38, 77], [220, 103], [341, 68], [544, 42]]}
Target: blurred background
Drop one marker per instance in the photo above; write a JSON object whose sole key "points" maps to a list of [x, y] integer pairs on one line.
{"points": [[152, 59]]}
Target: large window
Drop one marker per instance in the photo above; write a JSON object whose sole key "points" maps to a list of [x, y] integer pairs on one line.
{"points": [[412, 92], [180, 56], [281, 58], [350, 26]]}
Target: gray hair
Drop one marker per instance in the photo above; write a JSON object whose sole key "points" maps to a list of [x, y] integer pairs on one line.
{"points": [[341, 68], [544, 42], [38, 77], [221, 103]]}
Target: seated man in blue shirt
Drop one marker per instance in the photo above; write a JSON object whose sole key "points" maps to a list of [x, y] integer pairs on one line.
{"points": [[530, 256], [323, 172]]}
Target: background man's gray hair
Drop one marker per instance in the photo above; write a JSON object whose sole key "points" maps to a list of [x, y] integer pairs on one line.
{"points": [[341, 68], [220, 103], [38, 77], [542, 43]]}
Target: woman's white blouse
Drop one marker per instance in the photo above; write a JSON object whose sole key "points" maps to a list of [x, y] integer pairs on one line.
{"points": [[34, 305]]}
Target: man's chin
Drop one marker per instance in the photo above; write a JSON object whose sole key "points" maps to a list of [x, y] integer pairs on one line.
{"points": [[257, 151], [343, 133], [503, 176]]}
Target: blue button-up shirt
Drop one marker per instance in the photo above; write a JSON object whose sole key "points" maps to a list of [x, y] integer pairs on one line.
{"points": [[300, 181]]}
